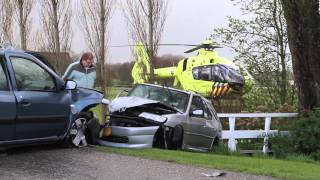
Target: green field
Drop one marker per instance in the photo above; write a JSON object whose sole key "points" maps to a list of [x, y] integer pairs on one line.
{"points": [[287, 169], [263, 165]]}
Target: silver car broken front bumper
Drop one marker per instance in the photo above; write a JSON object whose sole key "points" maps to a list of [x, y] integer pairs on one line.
{"points": [[130, 137]]}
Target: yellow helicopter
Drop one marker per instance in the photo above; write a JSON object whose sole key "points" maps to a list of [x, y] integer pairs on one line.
{"points": [[207, 73]]}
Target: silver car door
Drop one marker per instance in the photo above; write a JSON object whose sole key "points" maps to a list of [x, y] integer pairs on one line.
{"points": [[210, 127], [196, 134]]}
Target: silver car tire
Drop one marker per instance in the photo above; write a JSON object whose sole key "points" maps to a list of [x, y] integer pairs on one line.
{"points": [[176, 138], [214, 143]]}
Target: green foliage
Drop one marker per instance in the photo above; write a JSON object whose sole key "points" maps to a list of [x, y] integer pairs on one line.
{"points": [[282, 146], [261, 45], [306, 134], [304, 137], [260, 100], [256, 165]]}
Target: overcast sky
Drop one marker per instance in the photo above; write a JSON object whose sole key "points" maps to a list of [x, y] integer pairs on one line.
{"points": [[188, 21]]}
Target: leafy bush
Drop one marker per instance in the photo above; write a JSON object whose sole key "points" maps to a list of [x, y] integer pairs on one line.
{"points": [[282, 146], [304, 138], [306, 134], [260, 100]]}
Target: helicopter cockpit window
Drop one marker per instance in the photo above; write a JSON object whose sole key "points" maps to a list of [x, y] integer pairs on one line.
{"points": [[195, 73], [217, 73], [205, 73], [202, 73]]}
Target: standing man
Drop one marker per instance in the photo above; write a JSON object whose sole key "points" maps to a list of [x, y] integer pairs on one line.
{"points": [[82, 72]]}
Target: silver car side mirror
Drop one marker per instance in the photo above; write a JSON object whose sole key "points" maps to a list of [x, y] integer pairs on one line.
{"points": [[70, 85], [198, 112]]}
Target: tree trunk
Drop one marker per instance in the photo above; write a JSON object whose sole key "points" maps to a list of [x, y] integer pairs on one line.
{"points": [[282, 53], [303, 21], [102, 50], [151, 45], [22, 26], [56, 29]]}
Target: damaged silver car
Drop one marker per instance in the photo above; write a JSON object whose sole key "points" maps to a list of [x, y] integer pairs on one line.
{"points": [[157, 116]]}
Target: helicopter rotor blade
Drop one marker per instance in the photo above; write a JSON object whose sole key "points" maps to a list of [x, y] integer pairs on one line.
{"points": [[130, 45], [197, 46], [178, 44], [202, 46], [214, 47], [194, 49]]}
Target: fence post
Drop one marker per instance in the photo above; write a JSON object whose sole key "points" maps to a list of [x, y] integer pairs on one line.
{"points": [[267, 124], [232, 142]]}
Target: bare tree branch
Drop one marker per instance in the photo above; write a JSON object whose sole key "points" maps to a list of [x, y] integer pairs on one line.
{"points": [[56, 21], [145, 21], [94, 19], [6, 18], [22, 16]]}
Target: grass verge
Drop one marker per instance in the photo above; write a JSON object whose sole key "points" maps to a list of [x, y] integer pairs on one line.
{"points": [[254, 165]]}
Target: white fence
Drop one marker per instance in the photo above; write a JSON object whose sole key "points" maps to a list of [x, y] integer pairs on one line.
{"points": [[265, 133]]}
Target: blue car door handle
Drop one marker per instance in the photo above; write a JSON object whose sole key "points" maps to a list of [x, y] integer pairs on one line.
{"points": [[25, 103]]}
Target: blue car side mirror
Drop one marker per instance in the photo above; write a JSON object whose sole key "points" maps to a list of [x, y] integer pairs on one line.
{"points": [[70, 85]]}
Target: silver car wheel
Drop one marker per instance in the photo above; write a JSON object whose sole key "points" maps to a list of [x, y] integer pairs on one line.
{"points": [[77, 132]]}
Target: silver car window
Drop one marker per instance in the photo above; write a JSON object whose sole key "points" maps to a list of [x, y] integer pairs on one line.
{"points": [[30, 76], [213, 111], [197, 104], [170, 97], [208, 112]]}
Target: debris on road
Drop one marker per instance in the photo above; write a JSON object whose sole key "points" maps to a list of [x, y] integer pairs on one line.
{"points": [[214, 174]]}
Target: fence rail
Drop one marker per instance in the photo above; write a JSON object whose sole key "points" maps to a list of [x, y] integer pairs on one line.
{"points": [[265, 133]]}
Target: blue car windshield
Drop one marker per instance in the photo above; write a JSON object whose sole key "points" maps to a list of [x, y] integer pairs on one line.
{"points": [[173, 98]]}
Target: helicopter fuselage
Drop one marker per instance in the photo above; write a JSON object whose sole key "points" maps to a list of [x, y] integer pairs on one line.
{"points": [[207, 74]]}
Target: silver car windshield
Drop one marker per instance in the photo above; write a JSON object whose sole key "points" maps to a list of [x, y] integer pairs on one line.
{"points": [[173, 98]]}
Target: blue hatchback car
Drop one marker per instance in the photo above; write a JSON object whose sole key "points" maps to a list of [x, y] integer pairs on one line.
{"points": [[37, 106]]}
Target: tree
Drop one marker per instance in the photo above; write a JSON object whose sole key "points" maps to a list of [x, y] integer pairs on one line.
{"points": [[23, 9], [303, 22], [261, 43], [6, 18], [146, 19], [56, 20], [94, 19]]}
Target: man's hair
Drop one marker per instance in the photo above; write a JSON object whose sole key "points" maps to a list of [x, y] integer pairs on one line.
{"points": [[87, 55]]}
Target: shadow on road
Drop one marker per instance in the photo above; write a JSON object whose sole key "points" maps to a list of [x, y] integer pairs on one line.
{"points": [[30, 149], [45, 161]]}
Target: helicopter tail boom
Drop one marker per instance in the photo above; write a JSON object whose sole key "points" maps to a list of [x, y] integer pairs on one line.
{"points": [[141, 69], [165, 72]]}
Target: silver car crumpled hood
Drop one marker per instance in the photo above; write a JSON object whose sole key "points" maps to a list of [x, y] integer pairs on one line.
{"points": [[121, 104]]}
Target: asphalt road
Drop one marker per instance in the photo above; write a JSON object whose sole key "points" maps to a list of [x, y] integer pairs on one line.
{"points": [[51, 162]]}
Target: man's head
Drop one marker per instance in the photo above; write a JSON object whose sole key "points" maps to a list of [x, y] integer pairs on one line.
{"points": [[86, 59]]}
